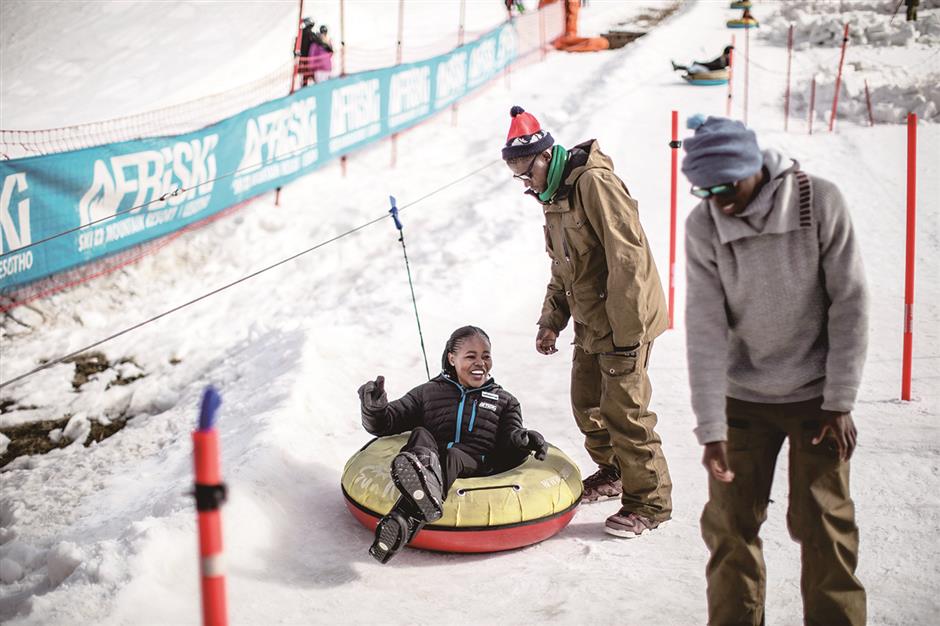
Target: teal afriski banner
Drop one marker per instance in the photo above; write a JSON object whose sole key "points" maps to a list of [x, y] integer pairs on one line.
{"points": [[112, 197]]}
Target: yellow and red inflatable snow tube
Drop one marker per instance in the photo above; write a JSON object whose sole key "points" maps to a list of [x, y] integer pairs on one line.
{"points": [[516, 508]]}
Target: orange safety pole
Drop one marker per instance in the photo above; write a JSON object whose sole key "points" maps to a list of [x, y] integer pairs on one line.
{"points": [[786, 98], [210, 494], [674, 145], [909, 262], [812, 104], [835, 96], [730, 77]]}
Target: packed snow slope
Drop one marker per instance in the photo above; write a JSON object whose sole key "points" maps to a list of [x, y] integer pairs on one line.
{"points": [[106, 534]]}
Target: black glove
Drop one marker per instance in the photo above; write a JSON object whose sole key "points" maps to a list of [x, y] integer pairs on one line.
{"points": [[529, 440], [372, 395]]}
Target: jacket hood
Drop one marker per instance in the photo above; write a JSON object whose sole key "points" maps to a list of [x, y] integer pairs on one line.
{"points": [[778, 164], [585, 156]]}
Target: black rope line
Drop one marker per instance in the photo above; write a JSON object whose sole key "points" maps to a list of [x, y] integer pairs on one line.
{"points": [[240, 280]]}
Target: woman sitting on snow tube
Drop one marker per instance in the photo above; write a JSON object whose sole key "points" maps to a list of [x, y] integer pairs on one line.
{"points": [[462, 424]]}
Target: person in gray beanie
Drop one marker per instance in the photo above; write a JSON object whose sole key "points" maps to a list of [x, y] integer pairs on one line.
{"points": [[776, 333]]}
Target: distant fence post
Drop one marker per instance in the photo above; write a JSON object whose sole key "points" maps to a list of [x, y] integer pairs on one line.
{"points": [[835, 95], [812, 104], [786, 98], [909, 258], [730, 77]]}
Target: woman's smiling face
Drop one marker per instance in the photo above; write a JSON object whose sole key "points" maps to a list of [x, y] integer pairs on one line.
{"points": [[472, 361]]}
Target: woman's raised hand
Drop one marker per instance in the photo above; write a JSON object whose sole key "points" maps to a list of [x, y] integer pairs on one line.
{"points": [[372, 394]]}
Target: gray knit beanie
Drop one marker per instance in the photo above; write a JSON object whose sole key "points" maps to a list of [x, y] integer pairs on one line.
{"points": [[721, 151]]}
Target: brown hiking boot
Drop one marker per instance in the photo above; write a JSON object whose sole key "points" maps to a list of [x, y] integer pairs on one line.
{"points": [[627, 524], [603, 484]]}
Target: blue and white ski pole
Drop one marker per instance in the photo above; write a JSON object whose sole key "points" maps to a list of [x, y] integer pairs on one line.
{"points": [[401, 238]]}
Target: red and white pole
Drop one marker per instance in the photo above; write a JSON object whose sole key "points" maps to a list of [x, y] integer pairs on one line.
{"points": [[786, 98], [747, 65], [401, 32], [812, 104], [342, 63], [210, 494], [460, 31], [342, 38], [297, 58], [835, 96], [730, 77], [909, 263], [542, 43], [674, 145]]}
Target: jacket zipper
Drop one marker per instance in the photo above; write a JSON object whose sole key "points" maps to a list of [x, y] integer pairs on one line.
{"points": [[473, 412], [463, 396]]}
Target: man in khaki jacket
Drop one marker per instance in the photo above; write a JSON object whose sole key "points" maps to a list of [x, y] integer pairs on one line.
{"points": [[603, 276]]}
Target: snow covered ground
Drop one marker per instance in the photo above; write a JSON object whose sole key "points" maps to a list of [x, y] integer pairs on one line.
{"points": [[106, 534]]}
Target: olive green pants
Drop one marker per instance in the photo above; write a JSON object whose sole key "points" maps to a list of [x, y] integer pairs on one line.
{"points": [[820, 517], [610, 397]]}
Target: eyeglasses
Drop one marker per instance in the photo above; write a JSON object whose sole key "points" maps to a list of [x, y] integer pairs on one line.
{"points": [[724, 189], [527, 175]]}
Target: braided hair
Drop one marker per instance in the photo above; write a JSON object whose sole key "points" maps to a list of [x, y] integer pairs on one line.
{"points": [[456, 338]]}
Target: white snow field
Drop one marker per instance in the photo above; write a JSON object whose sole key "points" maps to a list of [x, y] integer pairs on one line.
{"points": [[106, 534]]}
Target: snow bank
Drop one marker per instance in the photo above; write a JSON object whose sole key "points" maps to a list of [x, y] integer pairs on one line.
{"points": [[890, 102], [898, 59], [816, 24]]}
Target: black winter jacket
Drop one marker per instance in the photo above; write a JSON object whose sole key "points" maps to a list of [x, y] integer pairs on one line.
{"points": [[476, 420]]}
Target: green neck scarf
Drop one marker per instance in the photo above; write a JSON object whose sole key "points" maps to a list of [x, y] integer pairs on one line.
{"points": [[555, 170]]}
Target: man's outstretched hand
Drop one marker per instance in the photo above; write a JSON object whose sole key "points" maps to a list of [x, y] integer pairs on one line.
{"points": [[545, 341]]}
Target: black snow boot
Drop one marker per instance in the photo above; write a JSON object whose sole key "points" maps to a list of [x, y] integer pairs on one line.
{"points": [[417, 475], [395, 531]]}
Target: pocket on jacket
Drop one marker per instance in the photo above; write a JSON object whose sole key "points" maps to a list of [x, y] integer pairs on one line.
{"points": [[617, 365], [579, 234], [548, 241], [590, 307]]}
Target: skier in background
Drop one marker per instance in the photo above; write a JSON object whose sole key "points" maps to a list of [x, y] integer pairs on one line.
{"points": [[320, 57]]}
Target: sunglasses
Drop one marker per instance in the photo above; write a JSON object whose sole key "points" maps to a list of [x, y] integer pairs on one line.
{"points": [[724, 189], [527, 175]]}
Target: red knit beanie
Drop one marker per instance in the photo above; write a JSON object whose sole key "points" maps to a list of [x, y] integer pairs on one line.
{"points": [[526, 137]]}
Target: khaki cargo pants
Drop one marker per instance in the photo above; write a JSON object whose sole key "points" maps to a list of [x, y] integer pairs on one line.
{"points": [[610, 397], [821, 518]]}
